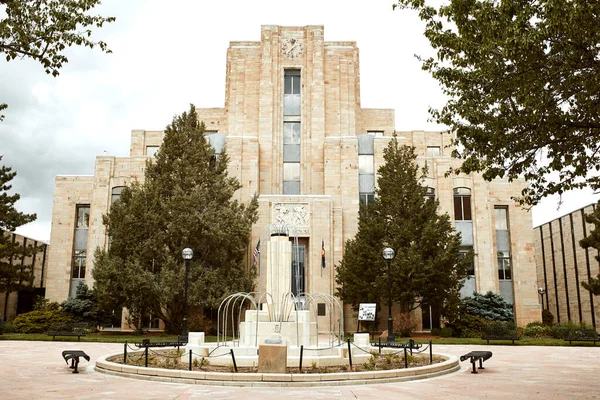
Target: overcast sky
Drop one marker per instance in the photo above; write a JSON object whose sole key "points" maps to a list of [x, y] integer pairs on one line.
{"points": [[167, 55]]}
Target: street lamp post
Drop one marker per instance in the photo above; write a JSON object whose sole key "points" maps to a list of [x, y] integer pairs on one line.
{"points": [[388, 255], [187, 255], [542, 292]]}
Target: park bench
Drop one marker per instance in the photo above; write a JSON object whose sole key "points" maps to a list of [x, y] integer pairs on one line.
{"points": [[475, 356], [583, 335], [74, 355], [54, 334], [495, 333]]}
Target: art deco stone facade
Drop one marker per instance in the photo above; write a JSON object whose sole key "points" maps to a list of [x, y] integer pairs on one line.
{"points": [[562, 264], [261, 97]]}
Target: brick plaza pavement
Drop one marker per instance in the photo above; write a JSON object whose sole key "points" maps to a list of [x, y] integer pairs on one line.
{"points": [[36, 370]]}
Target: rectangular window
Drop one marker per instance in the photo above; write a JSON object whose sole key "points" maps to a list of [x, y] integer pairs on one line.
{"points": [[366, 198], [503, 243], [462, 208], [291, 92], [291, 142], [151, 150], [365, 164], [78, 267], [462, 252], [83, 217], [433, 151], [321, 310], [504, 270], [375, 133]]}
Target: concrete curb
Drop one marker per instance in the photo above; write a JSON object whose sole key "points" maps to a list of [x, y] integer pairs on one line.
{"points": [[277, 380]]}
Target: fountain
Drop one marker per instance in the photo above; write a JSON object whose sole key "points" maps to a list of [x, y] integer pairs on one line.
{"points": [[282, 319]]}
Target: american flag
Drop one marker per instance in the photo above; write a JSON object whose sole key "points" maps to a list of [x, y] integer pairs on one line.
{"points": [[256, 252], [322, 253]]}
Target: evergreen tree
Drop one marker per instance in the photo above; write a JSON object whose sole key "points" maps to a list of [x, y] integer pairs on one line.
{"points": [[593, 241], [13, 275], [185, 201], [427, 267]]}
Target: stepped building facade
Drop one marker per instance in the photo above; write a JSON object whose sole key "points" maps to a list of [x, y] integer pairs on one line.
{"points": [[296, 134]]}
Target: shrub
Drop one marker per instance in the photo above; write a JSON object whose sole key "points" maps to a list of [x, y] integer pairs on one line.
{"points": [[547, 317], [436, 331], [468, 326], [536, 330], [490, 306], [446, 332], [567, 329], [41, 321], [41, 303], [500, 328], [7, 327], [405, 324], [200, 323]]}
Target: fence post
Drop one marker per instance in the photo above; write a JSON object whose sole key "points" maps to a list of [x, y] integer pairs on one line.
{"points": [[430, 353], [301, 354], [233, 358], [190, 359], [405, 359], [411, 343], [146, 356], [125, 353], [350, 355], [380, 345]]}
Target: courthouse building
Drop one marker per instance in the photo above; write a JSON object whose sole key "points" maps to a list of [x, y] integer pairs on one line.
{"points": [[296, 135]]}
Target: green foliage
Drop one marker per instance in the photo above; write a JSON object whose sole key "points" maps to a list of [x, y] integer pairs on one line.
{"points": [[84, 308], [446, 332], [7, 327], [13, 275], [593, 241], [42, 303], [570, 329], [500, 328], [468, 326], [427, 267], [43, 29], [522, 79], [42, 321], [186, 200], [536, 329], [547, 317], [490, 306]]}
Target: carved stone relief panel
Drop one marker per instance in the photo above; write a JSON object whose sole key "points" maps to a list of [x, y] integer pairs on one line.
{"points": [[295, 215]]}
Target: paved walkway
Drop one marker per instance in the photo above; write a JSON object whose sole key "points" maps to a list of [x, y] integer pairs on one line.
{"points": [[36, 370]]}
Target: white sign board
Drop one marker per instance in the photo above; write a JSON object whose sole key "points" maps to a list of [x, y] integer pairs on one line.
{"points": [[366, 311]]}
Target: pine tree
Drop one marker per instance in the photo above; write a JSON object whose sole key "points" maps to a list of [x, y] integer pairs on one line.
{"points": [[185, 201], [13, 275], [427, 267], [593, 241]]}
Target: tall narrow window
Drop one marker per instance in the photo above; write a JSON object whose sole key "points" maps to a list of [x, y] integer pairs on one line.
{"points": [[430, 194], [503, 243], [291, 132], [116, 194], [462, 215], [151, 150], [291, 92], [366, 168], [78, 260], [433, 151]]}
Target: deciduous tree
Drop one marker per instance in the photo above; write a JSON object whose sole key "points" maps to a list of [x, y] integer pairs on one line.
{"points": [[522, 79], [427, 267], [186, 200], [593, 241], [44, 29]]}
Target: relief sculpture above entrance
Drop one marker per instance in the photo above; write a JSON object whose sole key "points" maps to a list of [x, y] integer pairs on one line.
{"points": [[292, 214]]}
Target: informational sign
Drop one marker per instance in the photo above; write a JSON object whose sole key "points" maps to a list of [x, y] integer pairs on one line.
{"points": [[366, 311]]}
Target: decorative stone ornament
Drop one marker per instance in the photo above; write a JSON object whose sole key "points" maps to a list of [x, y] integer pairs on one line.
{"points": [[292, 48]]}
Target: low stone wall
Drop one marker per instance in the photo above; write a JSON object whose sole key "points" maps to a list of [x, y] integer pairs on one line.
{"points": [[257, 379]]}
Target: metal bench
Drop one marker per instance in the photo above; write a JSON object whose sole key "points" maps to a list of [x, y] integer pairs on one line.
{"points": [[74, 355], [475, 356], [499, 333], [584, 335], [54, 334]]}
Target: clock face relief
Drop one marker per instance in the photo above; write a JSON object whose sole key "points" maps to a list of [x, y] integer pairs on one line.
{"points": [[292, 48]]}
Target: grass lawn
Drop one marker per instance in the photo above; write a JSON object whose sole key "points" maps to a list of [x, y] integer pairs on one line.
{"points": [[104, 337], [121, 337]]}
